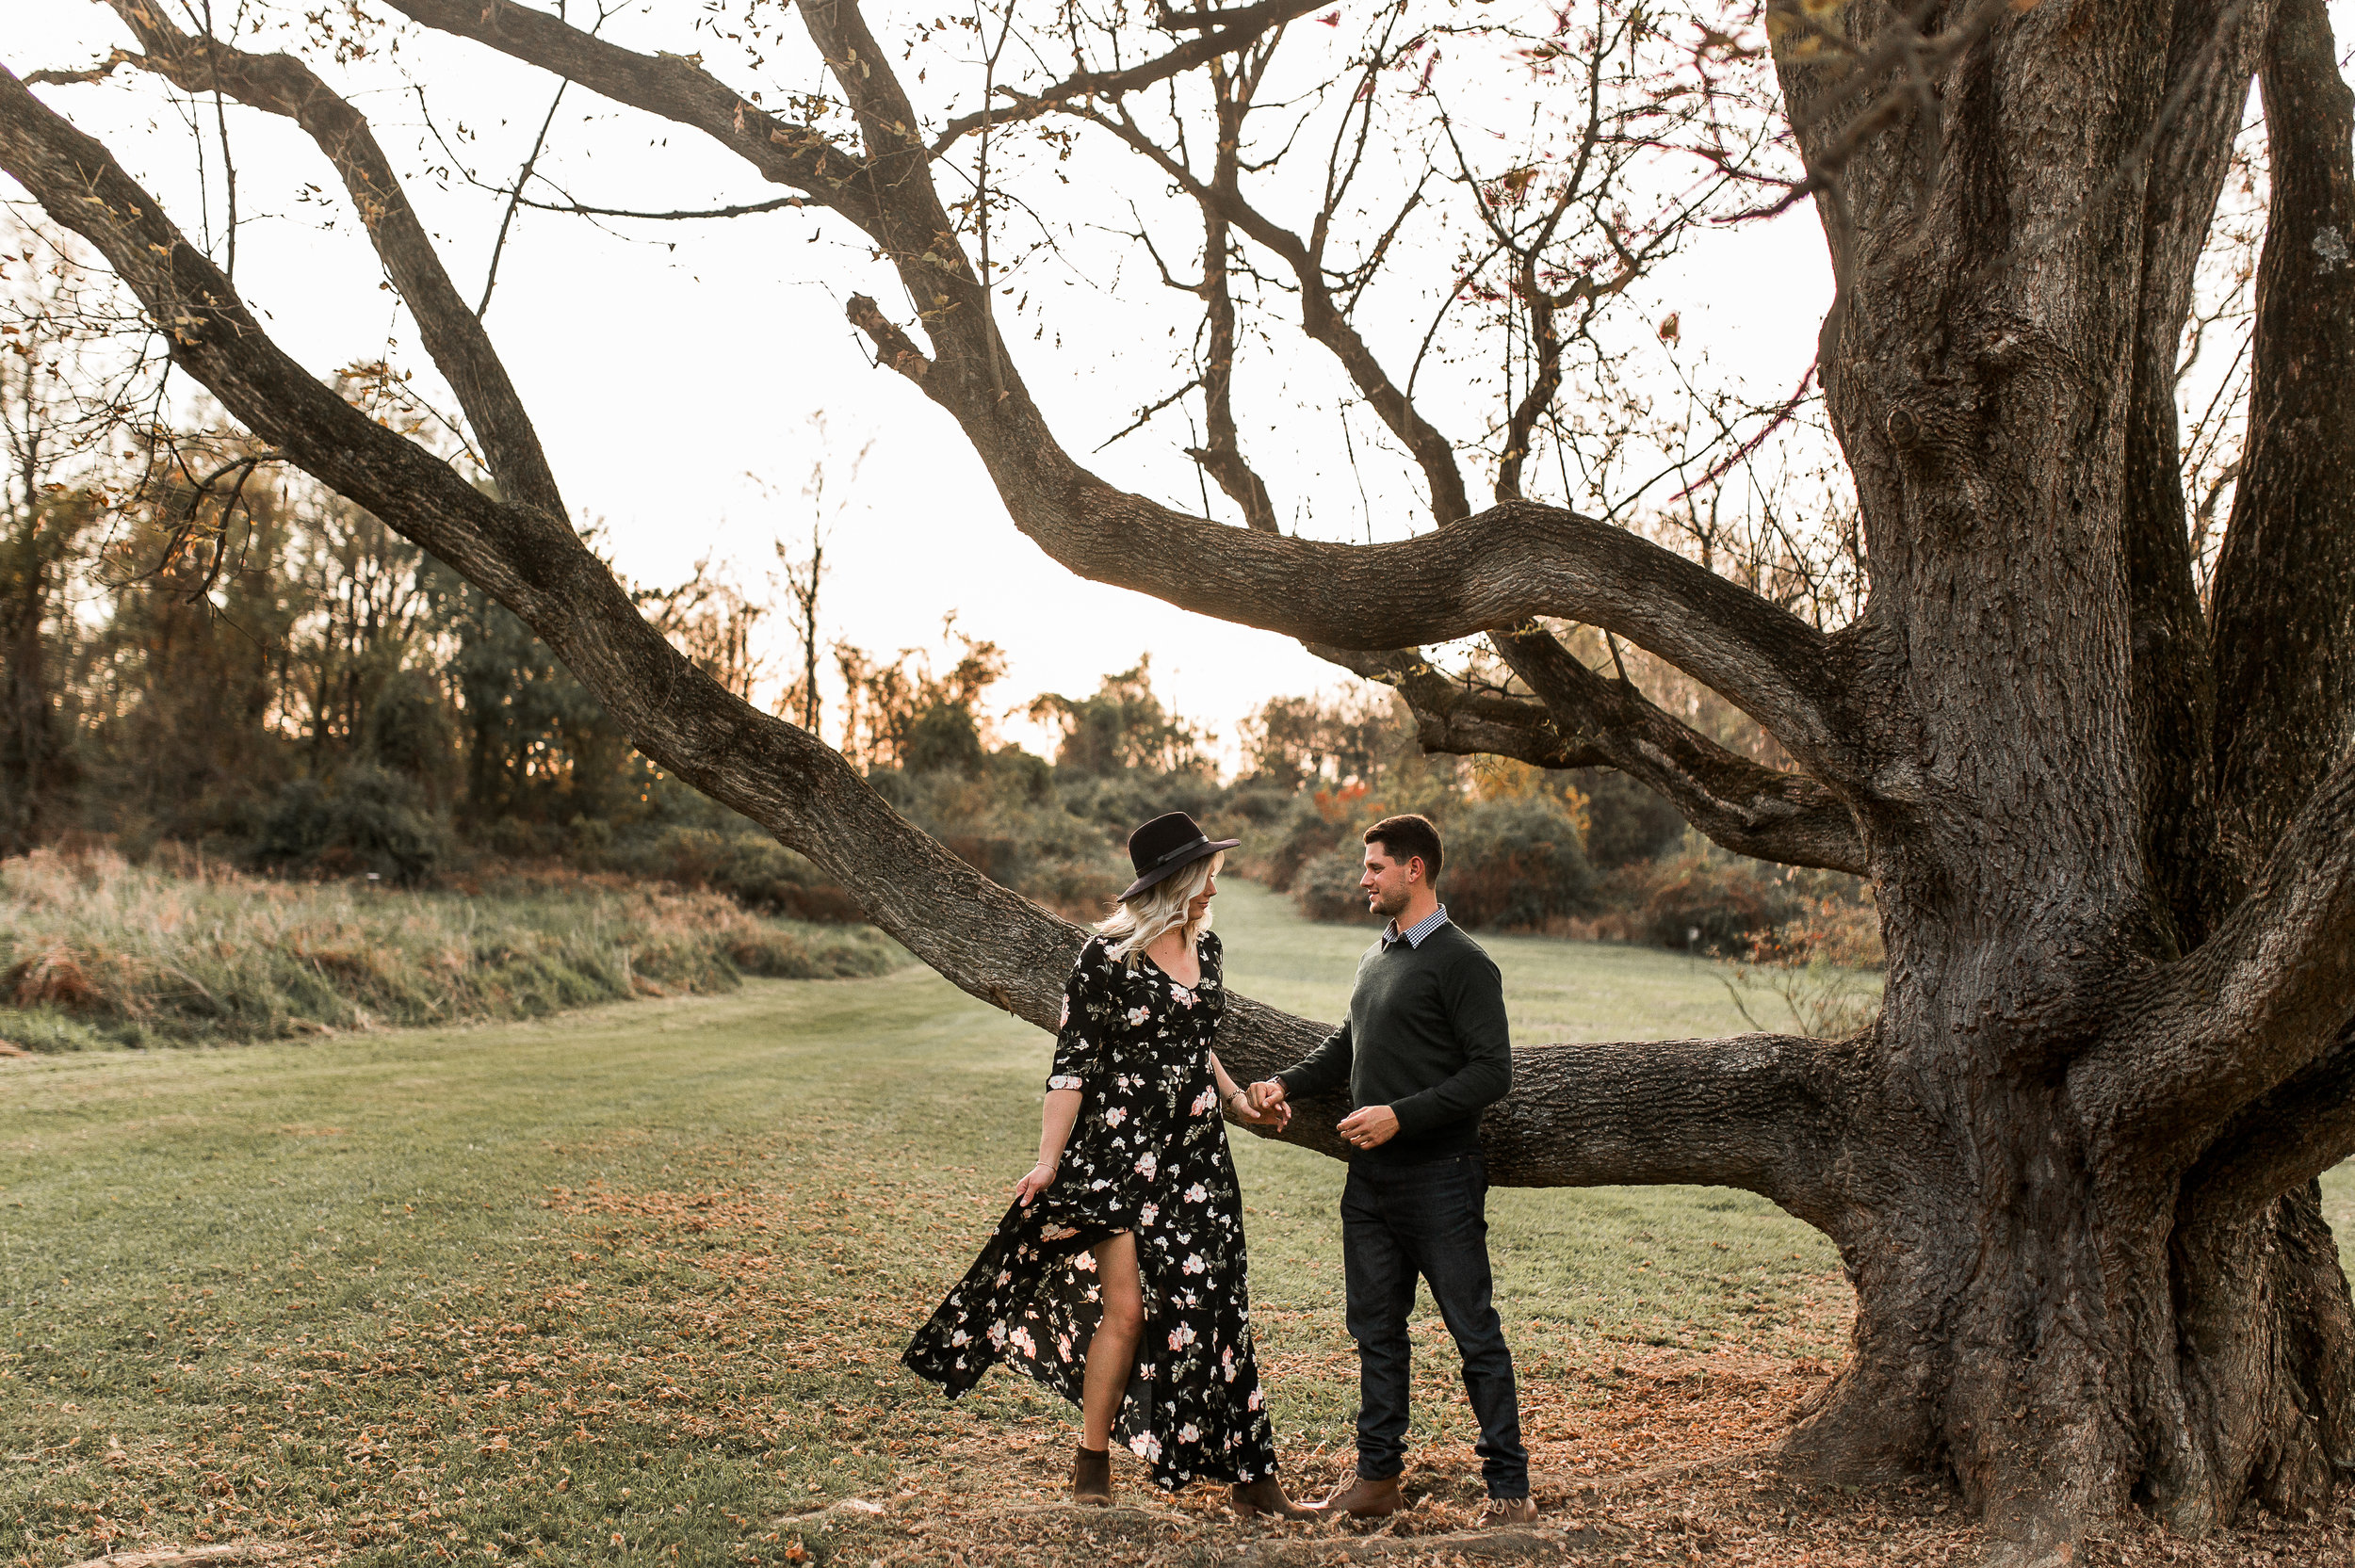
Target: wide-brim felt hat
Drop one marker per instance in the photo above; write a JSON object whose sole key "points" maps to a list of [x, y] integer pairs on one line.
{"points": [[1166, 845]]}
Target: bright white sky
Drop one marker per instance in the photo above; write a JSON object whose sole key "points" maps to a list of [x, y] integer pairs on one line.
{"points": [[671, 385]]}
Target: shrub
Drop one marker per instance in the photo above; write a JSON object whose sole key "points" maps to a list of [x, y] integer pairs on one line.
{"points": [[1625, 822], [46, 1029], [1001, 825], [1515, 861], [1326, 888], [93, 948], [1315, 826], [750, 868], [1702, 901], [1118, 803], [367, 819]]}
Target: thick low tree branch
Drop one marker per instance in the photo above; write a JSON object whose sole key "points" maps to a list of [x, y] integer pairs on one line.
{"points": [[1765, 1113], [2305, 1126], [1238, 30], [2269, 993], [453, 335], [2282, 613]]}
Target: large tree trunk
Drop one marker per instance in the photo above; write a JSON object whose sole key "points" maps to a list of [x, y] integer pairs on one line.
{"points": [[2046, 1302]]}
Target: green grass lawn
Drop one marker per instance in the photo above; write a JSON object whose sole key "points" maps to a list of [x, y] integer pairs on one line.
{"points": [[629, 1283]]}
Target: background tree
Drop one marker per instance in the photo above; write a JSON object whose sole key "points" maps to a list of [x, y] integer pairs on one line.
{"points": [[1122, 726], [2070, 1167], [903, 714]]}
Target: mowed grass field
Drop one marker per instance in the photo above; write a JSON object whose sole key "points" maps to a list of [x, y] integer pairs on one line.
{"points": [[628, 1284]]}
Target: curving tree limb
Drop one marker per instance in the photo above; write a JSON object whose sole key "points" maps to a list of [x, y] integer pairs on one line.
{"points": [[2268, 994], [1715, 630], [1743, 805], [2287, 1137], [2283, 618]]}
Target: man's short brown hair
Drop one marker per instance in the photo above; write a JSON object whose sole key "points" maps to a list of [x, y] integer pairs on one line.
{"points": [[1405, 838]]}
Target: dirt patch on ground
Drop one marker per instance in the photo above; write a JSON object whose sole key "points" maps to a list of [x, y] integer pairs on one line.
{"points": [[1647, 1454], [1664, 1464]]}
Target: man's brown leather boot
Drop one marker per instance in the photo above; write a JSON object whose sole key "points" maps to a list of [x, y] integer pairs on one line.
{"points": [[1365, 1499], [1091, 1477], [1264, 1496]]}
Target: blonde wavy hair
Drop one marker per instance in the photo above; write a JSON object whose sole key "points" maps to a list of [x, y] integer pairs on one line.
{"points": [[1132, 928]]}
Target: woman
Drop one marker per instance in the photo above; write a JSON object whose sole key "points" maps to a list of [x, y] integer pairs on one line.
{"points": [[1117, 1276]]}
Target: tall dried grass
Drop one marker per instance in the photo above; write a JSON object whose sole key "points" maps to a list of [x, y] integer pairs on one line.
{"points": [[96, 950]]}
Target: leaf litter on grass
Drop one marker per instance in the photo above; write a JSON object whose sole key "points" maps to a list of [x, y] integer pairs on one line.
{"points": [[690, 1353]]}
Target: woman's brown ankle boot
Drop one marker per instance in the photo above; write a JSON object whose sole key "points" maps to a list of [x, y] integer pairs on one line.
{"points": [[1091, 1477]]}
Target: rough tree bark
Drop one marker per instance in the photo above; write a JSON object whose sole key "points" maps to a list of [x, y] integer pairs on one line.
{"points": [[2071, 1169]]}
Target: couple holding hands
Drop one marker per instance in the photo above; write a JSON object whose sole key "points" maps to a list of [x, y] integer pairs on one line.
{"points": [[1118, 1276]]}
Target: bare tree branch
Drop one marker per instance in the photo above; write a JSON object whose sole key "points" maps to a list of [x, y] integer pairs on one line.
{"points": [[746, 209], [1747, 808], [2264, 997], [1455, 718], [1322, 318], [515, 197], [669, 85], [1587, 721], [1223, 454], [1238, 29], [2290, 1135], [282, 85]]}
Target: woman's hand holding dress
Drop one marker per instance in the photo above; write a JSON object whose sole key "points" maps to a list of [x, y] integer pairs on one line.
{"points": [[1042, 1176]]}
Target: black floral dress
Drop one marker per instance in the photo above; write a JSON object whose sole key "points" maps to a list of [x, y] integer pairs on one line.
{"points": [[1148, 1155]]}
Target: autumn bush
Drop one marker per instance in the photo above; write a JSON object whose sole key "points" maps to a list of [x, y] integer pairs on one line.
{"points": [[95, 950]]}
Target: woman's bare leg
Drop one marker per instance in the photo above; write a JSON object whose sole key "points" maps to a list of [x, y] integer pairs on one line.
{"points": [[1113, 1351]]}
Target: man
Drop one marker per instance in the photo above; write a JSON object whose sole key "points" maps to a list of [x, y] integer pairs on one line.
{"points": [[1423, 1051]]}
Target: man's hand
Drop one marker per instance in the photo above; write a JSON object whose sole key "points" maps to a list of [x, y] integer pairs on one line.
{"points": [[1371, 1128], [1265, 1109]]}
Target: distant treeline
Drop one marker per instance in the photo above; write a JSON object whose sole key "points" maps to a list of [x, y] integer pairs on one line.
{"points": [[271, 677]]}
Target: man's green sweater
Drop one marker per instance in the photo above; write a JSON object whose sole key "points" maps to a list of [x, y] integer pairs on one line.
{"points": [[1426, 1037]]}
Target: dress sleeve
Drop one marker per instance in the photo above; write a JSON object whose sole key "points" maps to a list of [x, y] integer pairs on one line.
{"points": [[1078, 1036]]}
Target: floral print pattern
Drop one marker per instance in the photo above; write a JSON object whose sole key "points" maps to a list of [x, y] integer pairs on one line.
{"points": [[1149, 1155]]}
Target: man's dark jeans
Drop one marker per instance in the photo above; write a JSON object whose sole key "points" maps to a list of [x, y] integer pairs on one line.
{"points": [[1398, 1222]]}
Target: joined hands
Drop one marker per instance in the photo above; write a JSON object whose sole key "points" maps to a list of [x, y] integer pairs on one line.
{"points": [[1369, 1128]]}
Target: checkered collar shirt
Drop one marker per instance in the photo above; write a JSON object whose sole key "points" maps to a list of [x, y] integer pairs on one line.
{"points": [[1413, 934]]}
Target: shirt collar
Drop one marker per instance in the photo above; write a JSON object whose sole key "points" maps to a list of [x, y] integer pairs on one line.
{"points": [[1413, 934]]}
